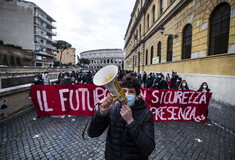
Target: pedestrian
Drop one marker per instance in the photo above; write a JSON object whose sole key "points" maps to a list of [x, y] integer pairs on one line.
{"points": [[46, 78], [37, 81], [130, 126], [60, 76], [177, 83], [66, 79], [150, 80], [204, 87], [144, 79], [183, 85]]}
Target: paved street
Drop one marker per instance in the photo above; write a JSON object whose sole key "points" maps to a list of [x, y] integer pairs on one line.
{"points": [[25, 137]]}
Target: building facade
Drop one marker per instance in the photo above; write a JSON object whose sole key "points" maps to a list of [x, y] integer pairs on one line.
{"points": [[26, 25], [68, 56], [103, 57], [195, 38]]}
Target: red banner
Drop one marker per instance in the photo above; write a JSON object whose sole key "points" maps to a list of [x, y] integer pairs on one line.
{"points": [[165, 104]]}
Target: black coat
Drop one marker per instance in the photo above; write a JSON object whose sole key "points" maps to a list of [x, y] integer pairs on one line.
{"points": [[124, 141]]}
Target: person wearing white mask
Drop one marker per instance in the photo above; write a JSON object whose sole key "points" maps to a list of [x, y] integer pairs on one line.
{"points": [[66, 79], [204, 87], [130, 126], [183, 85], [46, 78]]}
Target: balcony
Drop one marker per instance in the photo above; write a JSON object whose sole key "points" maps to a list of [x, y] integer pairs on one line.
{"points": [[37, 33], [45, 29], [45, 45], [45, 20], [39, 52]]}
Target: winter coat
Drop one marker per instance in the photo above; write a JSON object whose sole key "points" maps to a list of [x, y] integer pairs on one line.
{"points": [[134, 141]]}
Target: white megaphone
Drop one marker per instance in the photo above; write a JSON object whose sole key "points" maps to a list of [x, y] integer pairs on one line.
{"points": [[107, 76]]}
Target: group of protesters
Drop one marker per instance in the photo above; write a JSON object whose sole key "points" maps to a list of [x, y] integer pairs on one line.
{"points": [[151, 80]]}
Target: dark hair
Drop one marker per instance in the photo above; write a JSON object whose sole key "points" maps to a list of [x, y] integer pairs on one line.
{"points": [[183, 81], [130, 82], [201, 87]]}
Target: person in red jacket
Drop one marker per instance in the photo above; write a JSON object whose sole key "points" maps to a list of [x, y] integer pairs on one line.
{"points": [[130, 126]]}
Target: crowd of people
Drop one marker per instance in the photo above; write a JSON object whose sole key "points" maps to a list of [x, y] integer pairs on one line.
{"points": [[151, 80]]}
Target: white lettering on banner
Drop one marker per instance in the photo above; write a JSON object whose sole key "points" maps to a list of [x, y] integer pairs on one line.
{"points": [[172, 111], [44, 96], [62, 99], [39, 100], [198, 94], [97, 95], [155, 96], [83, 90], [178, 95], [71, 100], [184, 97], [187, 113], [203, 99], [143, 94]]}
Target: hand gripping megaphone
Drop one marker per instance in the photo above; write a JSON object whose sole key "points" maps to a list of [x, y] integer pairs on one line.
{"points": [[107, 76]]}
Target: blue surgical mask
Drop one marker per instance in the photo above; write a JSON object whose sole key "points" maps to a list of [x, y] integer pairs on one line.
{"points": [[130, 100]]}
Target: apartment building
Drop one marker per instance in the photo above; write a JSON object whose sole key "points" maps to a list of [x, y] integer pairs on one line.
{"points": [[26, 25]]}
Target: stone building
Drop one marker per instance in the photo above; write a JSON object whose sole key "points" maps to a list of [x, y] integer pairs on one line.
{"points": [[68, 56], [102, 57], [26, 25], [195, 38]]}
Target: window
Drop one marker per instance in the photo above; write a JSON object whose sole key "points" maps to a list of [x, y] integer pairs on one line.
{"points": [[161, 6], [187, 42], [148, 21], [169, 48], [140, 32], [151, 57], [219, 29], [153, 13], [159, 50], [146, 58]]}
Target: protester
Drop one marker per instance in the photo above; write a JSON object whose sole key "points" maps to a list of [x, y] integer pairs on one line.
{"points": [[60, 76], [150, 80], [177, 83], [167, 77], [144, 78], [130, 126], [66, 79], [37, 81], [204, 87], [183, 85], [46, 78]]}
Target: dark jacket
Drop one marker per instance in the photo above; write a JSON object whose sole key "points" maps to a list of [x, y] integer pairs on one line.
{"points": [[124, 141]]}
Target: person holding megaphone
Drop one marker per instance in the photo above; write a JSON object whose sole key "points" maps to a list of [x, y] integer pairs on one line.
{"points": [[130, 124]]}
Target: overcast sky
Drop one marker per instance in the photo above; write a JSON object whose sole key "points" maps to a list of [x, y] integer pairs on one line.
{"points": [[89, 24]]}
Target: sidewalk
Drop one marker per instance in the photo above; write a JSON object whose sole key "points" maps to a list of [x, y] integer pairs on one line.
{"points": [[26, 137]]}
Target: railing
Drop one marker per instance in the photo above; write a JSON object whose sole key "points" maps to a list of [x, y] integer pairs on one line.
{"points": [[46, 29], [45, 19]]}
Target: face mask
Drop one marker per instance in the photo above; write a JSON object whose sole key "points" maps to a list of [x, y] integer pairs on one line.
{"points": [[159, 76], [204, 86], [130, 100], [46, 74], [184, 84], [66, 77], [36, 79], [177, 80]]}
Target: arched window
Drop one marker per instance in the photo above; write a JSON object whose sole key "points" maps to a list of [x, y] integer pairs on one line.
{"points": [[187, 42], [161, 6], [153, 13], [146, 58], [140, 32], [169, 48], [148, 21], [151, 56], [159, 50], [219, 29]]}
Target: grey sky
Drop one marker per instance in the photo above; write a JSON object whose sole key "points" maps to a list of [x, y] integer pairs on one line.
{"points": [[89, 24]]}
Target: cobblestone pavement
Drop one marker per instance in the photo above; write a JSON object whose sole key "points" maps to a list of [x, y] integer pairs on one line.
{"points": [[25, 137]]}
